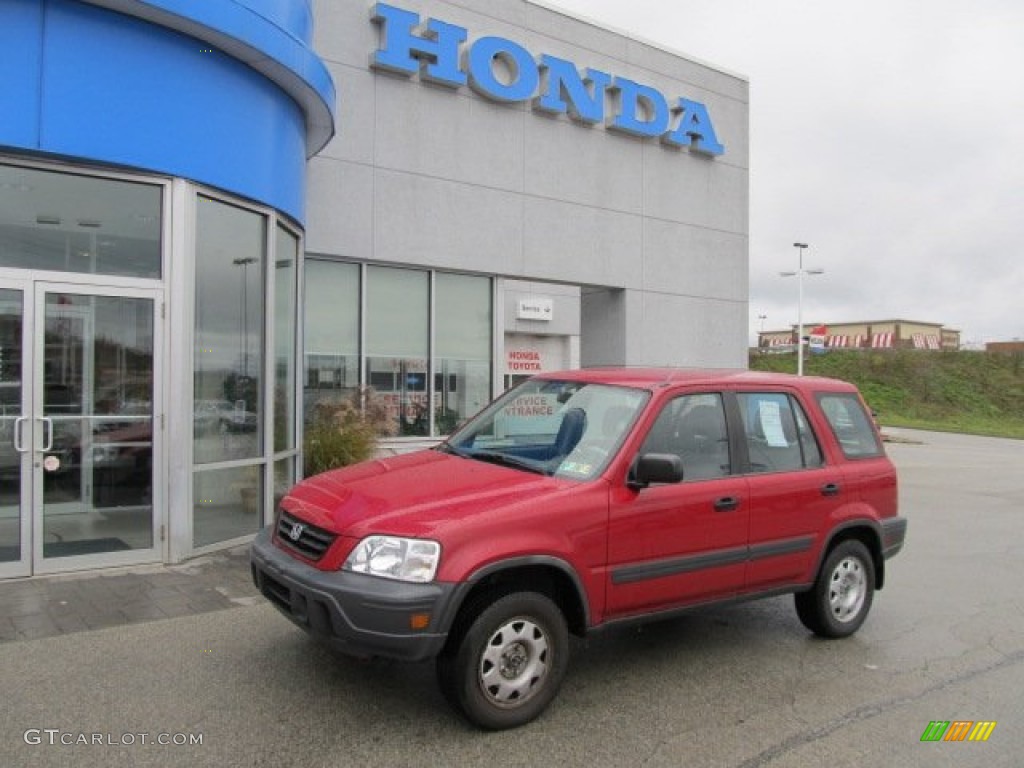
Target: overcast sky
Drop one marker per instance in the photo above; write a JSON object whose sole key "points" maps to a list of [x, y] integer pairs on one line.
{"points": [[886, 134]]}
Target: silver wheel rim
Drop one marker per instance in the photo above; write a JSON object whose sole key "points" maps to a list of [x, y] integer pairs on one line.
{"points": [[847, 589], [514, 663]]}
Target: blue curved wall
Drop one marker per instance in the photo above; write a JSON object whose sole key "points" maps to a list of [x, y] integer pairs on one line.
{"points": [[151, 86]]}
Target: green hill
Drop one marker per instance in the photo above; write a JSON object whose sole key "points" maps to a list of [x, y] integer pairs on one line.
{"points": [[974, 392]]}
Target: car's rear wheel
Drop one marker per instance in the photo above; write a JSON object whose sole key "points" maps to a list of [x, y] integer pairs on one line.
{"points": [[507, 665], [841, 597]]}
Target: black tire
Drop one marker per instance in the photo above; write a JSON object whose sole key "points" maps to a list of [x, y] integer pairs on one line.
{"points": [[841, 597], [508, 664]]}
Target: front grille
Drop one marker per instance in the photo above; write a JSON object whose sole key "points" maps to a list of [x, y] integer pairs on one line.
{"points": [[311, 542]]}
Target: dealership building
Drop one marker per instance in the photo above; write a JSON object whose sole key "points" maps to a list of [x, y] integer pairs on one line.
{"points": [[216, 215]]}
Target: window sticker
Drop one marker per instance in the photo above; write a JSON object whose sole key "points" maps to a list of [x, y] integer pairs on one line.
{"points": [[771, 423], [575, 468]]}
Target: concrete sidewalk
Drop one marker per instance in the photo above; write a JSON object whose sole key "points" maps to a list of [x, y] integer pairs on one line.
{"points": [[55, 605]]}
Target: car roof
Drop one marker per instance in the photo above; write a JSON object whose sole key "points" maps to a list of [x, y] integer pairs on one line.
{"points": [[653, 378]]}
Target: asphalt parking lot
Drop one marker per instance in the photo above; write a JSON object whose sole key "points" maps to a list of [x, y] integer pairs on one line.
{"points": [[736, 687]]}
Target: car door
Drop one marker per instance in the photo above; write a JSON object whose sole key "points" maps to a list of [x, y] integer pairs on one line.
{"points": [[793, 490], [674, 544]]}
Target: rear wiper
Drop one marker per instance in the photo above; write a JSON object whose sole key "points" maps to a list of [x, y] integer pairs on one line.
{"points": [[503, 458]]}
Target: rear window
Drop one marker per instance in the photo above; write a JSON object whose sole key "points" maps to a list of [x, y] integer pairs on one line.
{"points": [[850, 424]]}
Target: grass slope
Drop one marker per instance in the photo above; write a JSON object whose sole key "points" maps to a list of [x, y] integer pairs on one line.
{"points": [[973, 392]]}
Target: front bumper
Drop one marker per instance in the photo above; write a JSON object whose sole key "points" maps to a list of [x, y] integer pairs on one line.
{"points": [[357, 614]]}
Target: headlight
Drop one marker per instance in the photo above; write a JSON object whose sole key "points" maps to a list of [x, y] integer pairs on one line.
{"points": [[395, 558]]}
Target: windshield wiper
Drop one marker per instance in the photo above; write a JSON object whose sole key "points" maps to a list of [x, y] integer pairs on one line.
{"points": [[449, 448], [503, 458]]}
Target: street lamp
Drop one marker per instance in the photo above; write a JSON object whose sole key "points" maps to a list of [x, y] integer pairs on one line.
{"points": [[800, 272]]}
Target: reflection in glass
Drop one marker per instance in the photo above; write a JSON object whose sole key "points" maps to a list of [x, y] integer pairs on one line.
{"points": [[331, 333], [284, 479], [97, 462], [226, 504], [10, 411], [67, 223], [285, 286], [230, 256], [462, 318], [397, 344]]}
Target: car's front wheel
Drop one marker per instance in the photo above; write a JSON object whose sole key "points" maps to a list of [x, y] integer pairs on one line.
{"points": [[841, 597], [508, 663]]}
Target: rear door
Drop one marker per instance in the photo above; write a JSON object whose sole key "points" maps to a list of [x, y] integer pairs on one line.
{"points": [[794, 491]]}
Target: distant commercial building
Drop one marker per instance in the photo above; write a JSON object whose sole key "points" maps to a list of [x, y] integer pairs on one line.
{"points": [[1006, 347], [877, 334]]}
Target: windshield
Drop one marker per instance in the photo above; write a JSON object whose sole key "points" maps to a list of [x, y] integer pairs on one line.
{"points": [[562, 428]]}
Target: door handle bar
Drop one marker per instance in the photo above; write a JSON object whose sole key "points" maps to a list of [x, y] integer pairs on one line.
{"points": [[48, 439], [19, 446]]}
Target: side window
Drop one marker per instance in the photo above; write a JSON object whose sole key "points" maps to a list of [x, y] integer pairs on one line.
{"points": [[693, 428], [779, 437], [851, 425]]}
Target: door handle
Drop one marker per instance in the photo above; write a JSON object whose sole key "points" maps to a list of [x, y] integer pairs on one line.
{"points": [[726, 504], [19, 446], [48, 439], [830, 489]]}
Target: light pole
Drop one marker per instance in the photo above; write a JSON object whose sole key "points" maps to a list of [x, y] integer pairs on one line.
{"points": [[800, 272]]}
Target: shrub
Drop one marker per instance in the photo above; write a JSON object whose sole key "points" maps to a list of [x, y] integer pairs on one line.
{"points": [[344, 431]]}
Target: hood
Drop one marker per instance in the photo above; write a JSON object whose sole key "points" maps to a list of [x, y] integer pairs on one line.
{"points": [[416, 494]]}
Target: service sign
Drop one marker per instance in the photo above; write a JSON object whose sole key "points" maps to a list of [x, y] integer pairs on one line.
{"points": [[535, 309], [504, 71]]}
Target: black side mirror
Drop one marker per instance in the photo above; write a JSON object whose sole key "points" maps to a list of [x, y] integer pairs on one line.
{"points": [[655, 468]]}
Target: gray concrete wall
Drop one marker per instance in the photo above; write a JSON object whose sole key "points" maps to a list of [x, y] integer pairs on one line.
{"points": [[421, 174]]}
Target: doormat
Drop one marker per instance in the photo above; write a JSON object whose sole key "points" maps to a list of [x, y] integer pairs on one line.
{"points": [[83, 547]]}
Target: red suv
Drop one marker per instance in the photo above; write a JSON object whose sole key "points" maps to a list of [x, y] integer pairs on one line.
{"points": [[582, 500]]}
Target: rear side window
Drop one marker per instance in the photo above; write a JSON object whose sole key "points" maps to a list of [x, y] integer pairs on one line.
{"points": [[851, 425], [779, 437]]}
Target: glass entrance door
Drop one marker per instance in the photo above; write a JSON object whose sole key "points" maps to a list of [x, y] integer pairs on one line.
{"points": [[80, 453]]}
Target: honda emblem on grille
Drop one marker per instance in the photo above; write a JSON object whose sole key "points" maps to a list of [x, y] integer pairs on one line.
{"points": [[296, 532]]}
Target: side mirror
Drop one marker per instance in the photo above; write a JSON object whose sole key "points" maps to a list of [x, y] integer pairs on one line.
{"points": [[655, 468]]}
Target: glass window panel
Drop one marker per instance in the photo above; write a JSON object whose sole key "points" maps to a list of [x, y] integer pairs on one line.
{"points": [[331, 331], [226, 504], [462, 317], [285, 285], [68, 223], [397, 341], [397, 306], [230, 258], [10, 411], [773, 442], [98, 396], [851, 425], [693, 428]]}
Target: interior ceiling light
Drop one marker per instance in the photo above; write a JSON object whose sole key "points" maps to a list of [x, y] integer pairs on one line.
{"points": [[91, 223], [41, 219]]}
